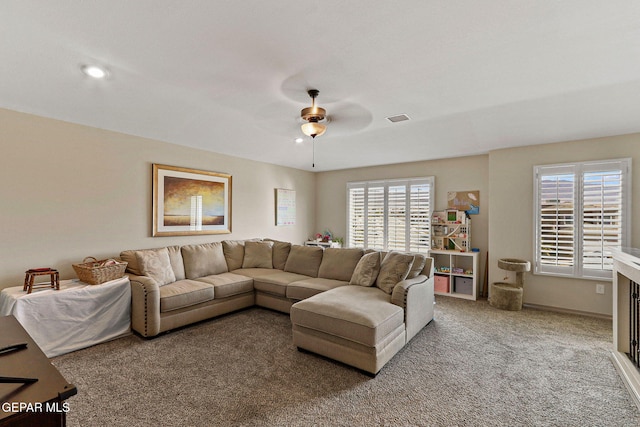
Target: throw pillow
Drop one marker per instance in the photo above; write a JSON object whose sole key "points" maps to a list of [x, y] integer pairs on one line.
{"points": [[156, 264], [366, 270], [280, 253], [419, 262], [258, 255], [233, 253], [394, 268]]}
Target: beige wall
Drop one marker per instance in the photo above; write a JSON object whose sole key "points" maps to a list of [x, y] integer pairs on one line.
{"points": [[459, 174], [505, 180], [511, 225], [71, 191]]}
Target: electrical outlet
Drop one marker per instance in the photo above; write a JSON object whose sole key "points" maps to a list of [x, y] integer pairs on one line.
{"points": [[599, 288]]}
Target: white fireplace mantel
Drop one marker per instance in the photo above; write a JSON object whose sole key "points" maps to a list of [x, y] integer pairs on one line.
{"points": [[626, 268]]}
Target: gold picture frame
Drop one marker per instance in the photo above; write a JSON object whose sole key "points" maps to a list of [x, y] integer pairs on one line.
{"points": [[189, 202]]}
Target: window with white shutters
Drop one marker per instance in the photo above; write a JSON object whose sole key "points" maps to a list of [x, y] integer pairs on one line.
{"points": [[390, 215], [582, 212]]}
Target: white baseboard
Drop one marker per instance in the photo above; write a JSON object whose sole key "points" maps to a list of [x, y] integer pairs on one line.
{"points": [[566, 310]]}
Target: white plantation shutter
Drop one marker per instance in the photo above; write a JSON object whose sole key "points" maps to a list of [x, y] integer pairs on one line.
{"points": [[356, 208], [556, 198], [397, 218], [390, 215], [602, 218], [420, 217], [374, 235], [582, 211]]}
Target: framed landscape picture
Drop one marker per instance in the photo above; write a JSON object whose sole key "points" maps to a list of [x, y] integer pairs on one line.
{"points": [[189, 201]]}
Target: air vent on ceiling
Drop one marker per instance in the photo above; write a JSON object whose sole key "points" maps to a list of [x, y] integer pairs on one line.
{"points": [[398, 118]]}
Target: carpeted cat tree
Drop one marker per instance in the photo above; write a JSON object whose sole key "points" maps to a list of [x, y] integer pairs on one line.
{"points": [[508, 296]]}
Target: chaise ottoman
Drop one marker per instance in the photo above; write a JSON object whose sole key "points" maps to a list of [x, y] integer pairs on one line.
{"points": [[356, 325]]}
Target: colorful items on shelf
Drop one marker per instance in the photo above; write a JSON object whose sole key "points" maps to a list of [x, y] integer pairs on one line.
{"points": [[325, 236], [451, 230]]}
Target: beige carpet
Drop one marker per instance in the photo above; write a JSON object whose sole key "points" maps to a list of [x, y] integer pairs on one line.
{"points": [[472, 366]]}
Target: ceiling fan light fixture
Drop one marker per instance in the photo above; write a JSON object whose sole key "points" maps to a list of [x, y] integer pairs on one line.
{"points": [[313, 115], [313, 129]]}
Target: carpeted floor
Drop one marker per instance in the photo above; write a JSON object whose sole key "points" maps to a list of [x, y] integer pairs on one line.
{"points": [[472, 366]]}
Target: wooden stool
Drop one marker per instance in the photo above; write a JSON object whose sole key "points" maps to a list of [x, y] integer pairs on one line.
{"points": [[30, 275]]}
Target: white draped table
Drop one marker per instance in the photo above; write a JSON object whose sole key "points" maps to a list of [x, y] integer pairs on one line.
{"points": [[77, 316]]}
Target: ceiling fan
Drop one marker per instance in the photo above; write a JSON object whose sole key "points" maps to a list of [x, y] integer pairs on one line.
{"points": [[313, 116], [341, 118]]}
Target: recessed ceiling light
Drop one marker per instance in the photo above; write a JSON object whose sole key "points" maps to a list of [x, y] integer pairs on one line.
{"points": [[94, 71], [299, 140]]}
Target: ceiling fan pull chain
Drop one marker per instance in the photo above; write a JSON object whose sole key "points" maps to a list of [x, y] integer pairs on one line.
{"points": [[314, 152]]}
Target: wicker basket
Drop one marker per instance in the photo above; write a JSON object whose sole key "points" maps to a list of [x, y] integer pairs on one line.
{"points": [[96, 272]]}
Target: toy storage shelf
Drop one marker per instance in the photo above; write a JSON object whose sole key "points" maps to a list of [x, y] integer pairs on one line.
{"points": [[456, 273]]}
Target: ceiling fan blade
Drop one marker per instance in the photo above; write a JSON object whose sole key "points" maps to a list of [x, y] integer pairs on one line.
{"points": [[322, 78], [278, 118], [347, 117]]}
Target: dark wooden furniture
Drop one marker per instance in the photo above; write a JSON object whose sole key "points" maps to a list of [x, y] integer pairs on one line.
{"points": [[40, 403], [30, 275]]}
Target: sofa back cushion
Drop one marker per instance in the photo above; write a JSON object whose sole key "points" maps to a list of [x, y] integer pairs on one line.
{"points": [[304, 260], [339, 263], [155, 263], [129, 256], [366, 271], [258, 255], [175, 257], [395, 267], [203, 260], [280, 253]]}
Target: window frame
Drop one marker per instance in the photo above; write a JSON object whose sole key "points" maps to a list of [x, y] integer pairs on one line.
{"points": [[578, 170], [410, 246]]}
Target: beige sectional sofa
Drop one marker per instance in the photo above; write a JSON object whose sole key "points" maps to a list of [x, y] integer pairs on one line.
{"points": [[358, 307]]}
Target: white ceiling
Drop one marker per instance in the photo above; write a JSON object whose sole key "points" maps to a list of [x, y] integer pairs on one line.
{"points": [[231, 76]]}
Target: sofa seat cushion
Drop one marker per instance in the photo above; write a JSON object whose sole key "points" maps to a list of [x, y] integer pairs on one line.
{"points": [[276, 283], [303, 289], [228, 284], [256, 272], [360, 314], [184, 293]]}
